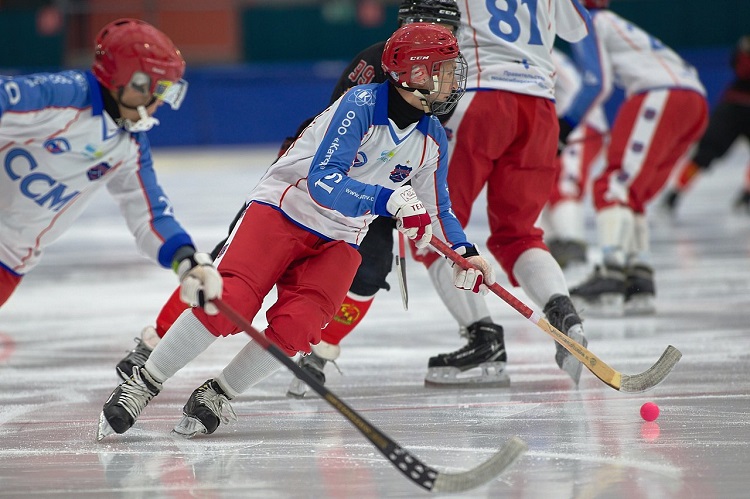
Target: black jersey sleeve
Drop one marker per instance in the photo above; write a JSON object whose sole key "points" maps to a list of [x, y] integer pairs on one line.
{"points": [[364, 68]]}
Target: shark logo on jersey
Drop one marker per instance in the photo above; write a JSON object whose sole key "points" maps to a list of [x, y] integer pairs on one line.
{"points": [[57, 146], [360, 160], [98, 171], [362, 97], [400, 173], [386, 156]]}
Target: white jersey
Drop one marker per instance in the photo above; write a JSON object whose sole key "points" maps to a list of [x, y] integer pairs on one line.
{"points": [[507, 43], [57, 148], [338, 175], [619, 53]]}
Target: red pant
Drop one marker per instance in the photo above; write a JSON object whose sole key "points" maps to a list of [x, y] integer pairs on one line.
{"points": [[650, 134], [574, 165], [311, 274], [506, 142], [8, 283]]}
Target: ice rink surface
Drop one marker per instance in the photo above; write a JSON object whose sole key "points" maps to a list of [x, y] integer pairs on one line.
{"points": [[76, 314]]}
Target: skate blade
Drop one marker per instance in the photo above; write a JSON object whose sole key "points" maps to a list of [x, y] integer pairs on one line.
{"points": [[570, 364], [493, 376], [608, 305], [297, 389], [188, 427], [104, 429], [640, 305]]}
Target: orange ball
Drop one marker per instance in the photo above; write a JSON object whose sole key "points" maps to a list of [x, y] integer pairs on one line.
{"points": [[649, 411]]}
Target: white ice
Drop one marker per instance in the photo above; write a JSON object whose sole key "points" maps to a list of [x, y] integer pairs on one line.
{"points": [[75, 315]]}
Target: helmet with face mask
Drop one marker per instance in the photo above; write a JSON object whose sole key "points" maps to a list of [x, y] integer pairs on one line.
{"points": [[413, 59], [132, 53]]}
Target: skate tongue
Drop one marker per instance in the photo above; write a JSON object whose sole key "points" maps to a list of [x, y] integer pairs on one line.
{"points": [[188, 427]]}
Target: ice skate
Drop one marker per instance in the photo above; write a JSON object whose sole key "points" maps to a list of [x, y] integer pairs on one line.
{"points": [[123, 407], [207, 407], [603, 293], [742, 202], [562, 314], [670, 201], [314, 365], [567, 252], [485, 350], [640, 292], [139, 355]]}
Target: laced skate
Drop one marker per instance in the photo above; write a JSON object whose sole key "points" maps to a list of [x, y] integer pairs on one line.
{"points": [[485, 350], [314, 364], [603, 293], [640, 292], [125, 404], [139, 355], [207, 407], [562, 314]]}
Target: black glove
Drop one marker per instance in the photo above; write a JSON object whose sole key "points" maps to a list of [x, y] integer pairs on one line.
{"points": [[565, 129]]}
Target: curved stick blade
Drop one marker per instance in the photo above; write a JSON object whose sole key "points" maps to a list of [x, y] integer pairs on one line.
{"points": [[467, 480], [653, 375]]}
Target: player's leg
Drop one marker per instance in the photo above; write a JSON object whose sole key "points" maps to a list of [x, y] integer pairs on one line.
{"points": [[470, 166], [259, 251], [308, 295], [681, 121], [170, 311], [520, 185], [376, 251], [565, 210]]}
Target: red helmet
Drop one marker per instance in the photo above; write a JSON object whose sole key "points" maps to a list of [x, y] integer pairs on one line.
{"points": [[595, 4], [413, 56], [129, 46]]}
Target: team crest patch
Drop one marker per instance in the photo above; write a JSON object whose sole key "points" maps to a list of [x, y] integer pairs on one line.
{"points": [[98, 171], [348, 314], [57, 146], [400, 173]]}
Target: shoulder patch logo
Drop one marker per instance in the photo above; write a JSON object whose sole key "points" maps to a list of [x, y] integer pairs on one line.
{"points": [[360, 160], [362, 97], [57, 146]]}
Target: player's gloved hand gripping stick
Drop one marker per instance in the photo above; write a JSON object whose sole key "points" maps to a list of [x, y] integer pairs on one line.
{"points": [[620, 382]]}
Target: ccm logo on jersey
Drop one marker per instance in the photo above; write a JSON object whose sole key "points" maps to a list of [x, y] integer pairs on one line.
{"points": [[37, 186]]}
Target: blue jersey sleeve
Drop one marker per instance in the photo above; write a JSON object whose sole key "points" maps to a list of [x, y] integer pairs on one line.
{"points": [[586, 54], [328, 182], [42, 90]]}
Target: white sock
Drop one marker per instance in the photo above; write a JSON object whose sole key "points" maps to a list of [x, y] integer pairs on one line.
{"points": [[615, 230], [540, 276], [466, 307], [185, 340], [249, 367]]}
